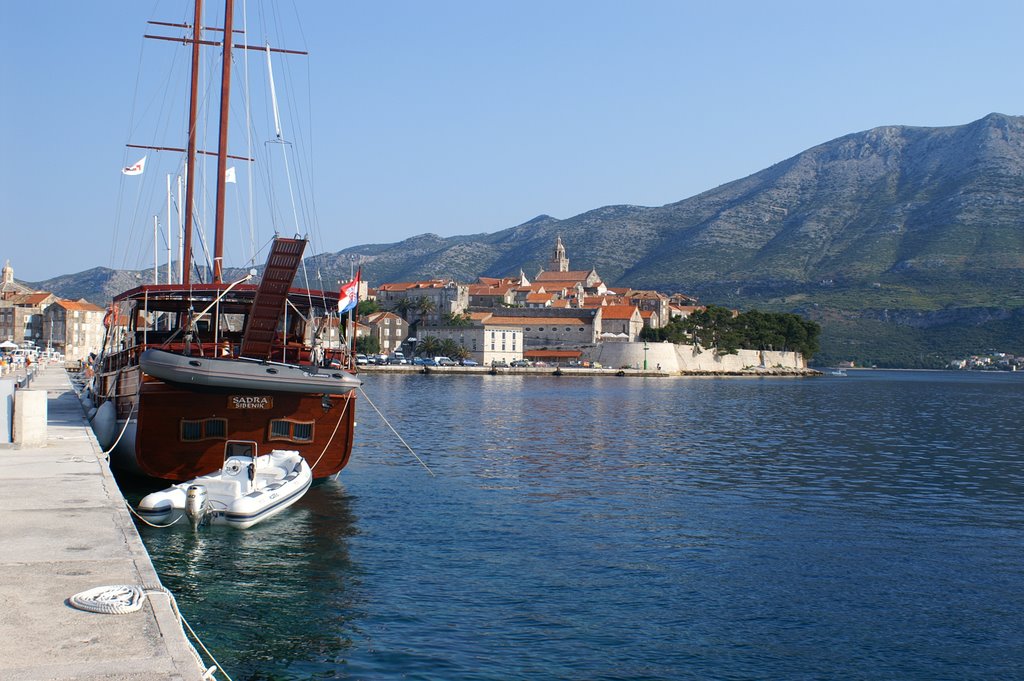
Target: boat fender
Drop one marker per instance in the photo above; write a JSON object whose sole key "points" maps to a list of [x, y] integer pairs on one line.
{"points": [[252, 471], [104, 424]]}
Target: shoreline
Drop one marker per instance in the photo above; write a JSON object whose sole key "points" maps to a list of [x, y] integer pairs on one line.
{"points": [[582, 371]]}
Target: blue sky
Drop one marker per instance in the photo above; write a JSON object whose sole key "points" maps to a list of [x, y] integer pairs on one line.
{"points": [[460, 117]]}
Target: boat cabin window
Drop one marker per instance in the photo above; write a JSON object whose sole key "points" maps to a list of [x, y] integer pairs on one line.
{"points": [[292, 431], [203, 429]]}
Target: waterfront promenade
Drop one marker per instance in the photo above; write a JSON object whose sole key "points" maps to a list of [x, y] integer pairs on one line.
{"points": [[66, 530]]}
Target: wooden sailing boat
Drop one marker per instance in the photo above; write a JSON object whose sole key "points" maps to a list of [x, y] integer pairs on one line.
{"points": [[188, 366]]}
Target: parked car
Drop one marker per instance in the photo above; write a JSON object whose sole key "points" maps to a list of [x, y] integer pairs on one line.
{"points": [[444, 361], [499, 364], [418, 361], [521, 363], [362, 359], [466, 362]]}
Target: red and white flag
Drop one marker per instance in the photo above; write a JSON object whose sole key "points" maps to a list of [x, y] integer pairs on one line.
{"points": [[135, 169], [348, 297]]}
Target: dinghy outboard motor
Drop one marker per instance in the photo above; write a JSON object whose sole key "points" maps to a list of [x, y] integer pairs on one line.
{"points": [[196, 504]]}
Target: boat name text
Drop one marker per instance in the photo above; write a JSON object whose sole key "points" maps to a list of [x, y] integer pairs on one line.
{"points": [[250, 402]]}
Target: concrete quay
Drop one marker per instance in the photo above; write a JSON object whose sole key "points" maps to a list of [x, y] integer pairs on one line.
{"points": [[66, 530]]}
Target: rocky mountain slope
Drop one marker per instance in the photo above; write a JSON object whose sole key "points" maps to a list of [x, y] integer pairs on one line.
{"points": [[906, 243]]}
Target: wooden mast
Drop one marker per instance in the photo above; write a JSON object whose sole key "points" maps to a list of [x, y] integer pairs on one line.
{"points": [[222, 146], [190, 165]]}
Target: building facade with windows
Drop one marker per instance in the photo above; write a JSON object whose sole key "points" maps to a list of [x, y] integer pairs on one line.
{"points": [[427, 302], [21, 317], [485, 340], [389, 329], [73, 328]]}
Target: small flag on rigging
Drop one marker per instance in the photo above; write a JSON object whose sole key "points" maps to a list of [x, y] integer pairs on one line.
{"points": [[135, 169], [349, 295], [229, 175]]}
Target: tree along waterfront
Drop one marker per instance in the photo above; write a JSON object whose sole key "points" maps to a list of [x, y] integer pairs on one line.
{"points": [[721, 328]]}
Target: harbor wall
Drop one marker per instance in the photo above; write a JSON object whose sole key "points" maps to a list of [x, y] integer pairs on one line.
{"points": [[673, 358]]}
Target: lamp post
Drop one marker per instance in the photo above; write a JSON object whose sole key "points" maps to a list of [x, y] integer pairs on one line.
{"points": [[645, 355]]}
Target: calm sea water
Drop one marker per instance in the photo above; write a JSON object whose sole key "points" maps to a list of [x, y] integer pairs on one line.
{"points": [[867, 527]]}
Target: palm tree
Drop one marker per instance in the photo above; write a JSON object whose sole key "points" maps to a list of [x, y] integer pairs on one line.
{"points": [[424, 306], [401, 307], [452, 350], [428, 346], [457, 319]]}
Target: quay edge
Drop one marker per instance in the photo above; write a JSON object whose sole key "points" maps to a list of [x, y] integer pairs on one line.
{"points": [[66, 530]]}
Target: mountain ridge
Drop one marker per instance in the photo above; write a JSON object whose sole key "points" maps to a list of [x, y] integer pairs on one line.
{"points": [[916, 219]]}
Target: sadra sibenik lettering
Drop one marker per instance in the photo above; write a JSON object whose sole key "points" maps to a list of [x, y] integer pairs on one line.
{"points": [[250, 402]]}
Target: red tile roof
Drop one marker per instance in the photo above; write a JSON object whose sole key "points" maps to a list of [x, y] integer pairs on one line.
{"points": [[539, 321], [80, 305], [618, 311]]}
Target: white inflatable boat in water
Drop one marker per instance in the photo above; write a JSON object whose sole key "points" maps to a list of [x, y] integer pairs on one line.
{"points": [[248, 489]]}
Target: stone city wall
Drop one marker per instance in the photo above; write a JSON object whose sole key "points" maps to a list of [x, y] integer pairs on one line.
{"points": [[682, 358]]}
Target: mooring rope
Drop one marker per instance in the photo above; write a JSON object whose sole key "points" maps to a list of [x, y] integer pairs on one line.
{"points": [[123, 599], [159, 527], [348, 401], [123, 428], [370, 402]]}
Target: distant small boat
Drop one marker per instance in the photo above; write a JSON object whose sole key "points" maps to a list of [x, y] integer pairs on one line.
{"points": [[837, 372], [248, 489]]}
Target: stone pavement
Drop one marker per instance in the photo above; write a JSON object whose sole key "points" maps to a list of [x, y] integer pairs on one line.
{"points": [[64, 530]]}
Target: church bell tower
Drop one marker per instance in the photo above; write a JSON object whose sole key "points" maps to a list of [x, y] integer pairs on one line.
{"points": [[559, 263]]}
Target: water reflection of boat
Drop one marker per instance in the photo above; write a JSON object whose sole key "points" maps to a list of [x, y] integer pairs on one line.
{"points": [[224, 574]]}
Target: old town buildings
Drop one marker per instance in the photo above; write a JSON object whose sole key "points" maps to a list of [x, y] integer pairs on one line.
{"points": [[71, 328], [498, 319]]}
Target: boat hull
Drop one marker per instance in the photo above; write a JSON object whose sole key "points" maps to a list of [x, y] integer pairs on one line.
{"points": [[165, 410]]}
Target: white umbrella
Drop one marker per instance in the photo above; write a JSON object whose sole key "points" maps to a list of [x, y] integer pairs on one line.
{"points": [[8, 345]]}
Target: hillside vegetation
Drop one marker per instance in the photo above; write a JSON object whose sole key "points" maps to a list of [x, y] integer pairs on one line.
{"points": [[905, 243]]}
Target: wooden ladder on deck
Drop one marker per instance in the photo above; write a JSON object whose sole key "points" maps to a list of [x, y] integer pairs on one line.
{"points": [[268, 306]]}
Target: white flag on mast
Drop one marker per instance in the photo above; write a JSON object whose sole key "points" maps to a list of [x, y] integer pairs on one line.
{"points": [[229, 175], [135, 169]]}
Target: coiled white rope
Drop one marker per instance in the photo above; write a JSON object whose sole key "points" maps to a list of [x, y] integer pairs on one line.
{"points": [[119, 599], [122, 599]]}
